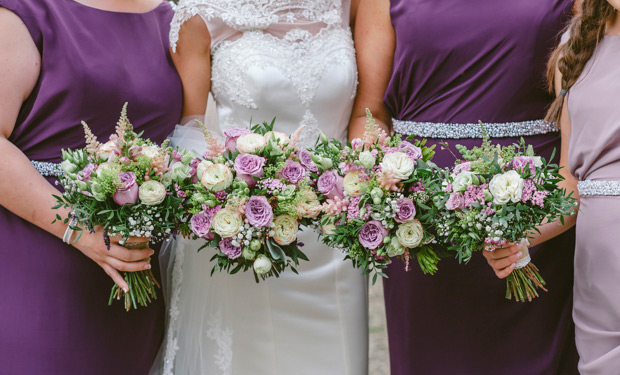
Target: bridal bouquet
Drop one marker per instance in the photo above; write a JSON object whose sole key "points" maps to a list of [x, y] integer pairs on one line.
{"points": [[248, 200], [496, 195], [124, 185], [374, 195]]}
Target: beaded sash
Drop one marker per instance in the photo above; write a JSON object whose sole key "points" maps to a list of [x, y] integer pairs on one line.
{"points": [[47, 169], [598, 188], [473, 130]]}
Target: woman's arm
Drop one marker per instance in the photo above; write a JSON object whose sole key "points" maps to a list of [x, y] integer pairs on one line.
{"points": [[23, 191], [374, 43]]}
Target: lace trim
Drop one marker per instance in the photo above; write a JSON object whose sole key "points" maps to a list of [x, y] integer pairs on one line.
{"points": [[224, 340], [244, 15], [171, 338]]}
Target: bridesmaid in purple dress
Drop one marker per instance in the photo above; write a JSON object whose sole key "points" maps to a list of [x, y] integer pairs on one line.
{"points": [[64, 61], [434, 69]]}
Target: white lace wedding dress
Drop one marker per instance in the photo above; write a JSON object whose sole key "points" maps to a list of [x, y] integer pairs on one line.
{"points": [[293, 60]]}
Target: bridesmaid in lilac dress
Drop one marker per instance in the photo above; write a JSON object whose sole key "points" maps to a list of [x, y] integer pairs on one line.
{"points": [[454, 63], [63, 62]]}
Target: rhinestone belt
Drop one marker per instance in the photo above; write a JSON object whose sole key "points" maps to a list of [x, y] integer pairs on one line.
{"points": [[600, 188], [47, 169], [473, 130]]}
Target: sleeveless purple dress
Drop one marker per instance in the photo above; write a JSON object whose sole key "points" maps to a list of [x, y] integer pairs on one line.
{"points": [[54, 317], [458, 62]]}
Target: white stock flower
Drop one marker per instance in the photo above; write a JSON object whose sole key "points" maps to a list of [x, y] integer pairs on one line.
{"points": [[506, 187], [217, 177], [399, 164], [251, 143], [226, 223], [152, 193]]}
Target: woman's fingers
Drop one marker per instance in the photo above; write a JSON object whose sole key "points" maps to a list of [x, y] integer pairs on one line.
{"points": [[503, 273], [127, 255], [499, 264], [129, 266], [502, 252], [116, 277]]}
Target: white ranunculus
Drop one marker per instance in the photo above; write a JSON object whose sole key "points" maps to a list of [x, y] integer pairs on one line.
{"points": [[107, 150], [217, 177], [262, 265], [399, 164], [410, 234], [285, 229], [462, 181], [367, 159], [353, 184], [251, 143], [150, 151], [280, 137], [152, 193], [506, 187], [226, 223], [179, 171], [202, 166]]}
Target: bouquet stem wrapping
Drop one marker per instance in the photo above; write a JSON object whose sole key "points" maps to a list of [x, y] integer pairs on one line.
{"points": [[523, 282]]}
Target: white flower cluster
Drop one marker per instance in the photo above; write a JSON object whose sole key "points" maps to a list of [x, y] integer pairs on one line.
{"points": [[143, 224], [390, 209]]}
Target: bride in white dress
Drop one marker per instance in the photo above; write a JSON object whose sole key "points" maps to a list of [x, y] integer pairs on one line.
{"points": [[293, 60]]}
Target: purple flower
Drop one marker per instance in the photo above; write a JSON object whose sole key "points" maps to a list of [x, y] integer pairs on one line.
{"points": [[455, 201], [520, 163], [127, 190], [248, 166], [292, 172], [372, 234], [357, 143], [306, 161], [231, 135], [406, 210], [228, 248], [84, 175], [414, 152], [258, 211], [201, 225], [331, 184], [463, 167]]}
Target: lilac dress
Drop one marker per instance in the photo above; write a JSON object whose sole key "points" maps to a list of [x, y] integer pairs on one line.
{"points": [[594, 159], [54, 317], [457, 62]]}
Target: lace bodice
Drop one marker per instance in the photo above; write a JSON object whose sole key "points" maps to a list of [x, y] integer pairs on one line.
{"points": [[289, 59]]}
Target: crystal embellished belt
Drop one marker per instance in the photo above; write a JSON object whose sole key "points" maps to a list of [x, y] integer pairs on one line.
{"points": [[600, 188], [47, 169], [473, 130]]}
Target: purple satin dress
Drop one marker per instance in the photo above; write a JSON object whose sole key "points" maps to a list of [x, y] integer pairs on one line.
{"points": [[54, 313], [460, 62]]}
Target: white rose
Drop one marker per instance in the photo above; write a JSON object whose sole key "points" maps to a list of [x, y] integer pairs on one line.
{"points": [[202, 167], [367, 159], [226, 223], [251, 143], [353, 184], [399, 164], [462, 181], [107, 150], [217, 177], [179, 171], [262, 265], [410, 234], [152, 193], [506, 187], [285, 229], [279, 136], [150, 151]]}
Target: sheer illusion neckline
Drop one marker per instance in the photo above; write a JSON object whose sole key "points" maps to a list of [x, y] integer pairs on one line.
{"points": [[82, 5]]}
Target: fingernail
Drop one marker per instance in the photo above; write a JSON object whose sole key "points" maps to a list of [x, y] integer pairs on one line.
{"points": [[126, 290], [147, 267], [152, 252]]}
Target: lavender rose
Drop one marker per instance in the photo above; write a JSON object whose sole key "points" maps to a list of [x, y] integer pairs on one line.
{"points": [[127, 190], [228, 248], [88, 170], [258, 211], [248, 165], [292, 172], [406, 210], [455, 201], [306, 160], [331, 184], [231, 137], [413, 151], [372, 234], [520, 163], [200, 224], [463, 167]]}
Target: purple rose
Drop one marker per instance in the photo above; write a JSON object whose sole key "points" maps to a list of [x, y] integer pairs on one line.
{"points": [[520, 163], [406, 210], [455, 201], [372, 234], [228, 248], [127, 190], [306, 161], [414, 152], [248, 165], [331, 184], [201, 225], [231, 135], [463, 167], [84, 175], [258, 211], [292, 172]]}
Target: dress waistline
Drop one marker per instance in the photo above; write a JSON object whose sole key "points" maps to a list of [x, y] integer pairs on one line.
{"points": [[598, 188], [473, 130], [47, 169]]}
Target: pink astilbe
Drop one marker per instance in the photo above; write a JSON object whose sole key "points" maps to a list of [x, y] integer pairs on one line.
{"points": [[123, 126], [214, 147], [295, 137], [92, 145], [373, 132], [387, 181], [334, 206]]}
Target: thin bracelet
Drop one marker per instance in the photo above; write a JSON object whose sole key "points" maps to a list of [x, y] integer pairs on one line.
{"points": [[69, 231]]}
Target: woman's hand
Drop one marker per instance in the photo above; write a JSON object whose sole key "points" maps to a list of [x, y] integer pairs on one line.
{"points": [[117, 259], [503, 259]]}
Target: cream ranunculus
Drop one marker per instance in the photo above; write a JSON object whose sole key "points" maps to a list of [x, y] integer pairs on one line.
{"points": [[226, 223], [506, 187], [462, 181], [150, 151], [285, 229], [108, 150], [202, 167], [217, 177], [280, 137], [367, 159], [353, 184], [251, 143], [309, 205], [410, 234], [399, 164], [152, 193]]}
